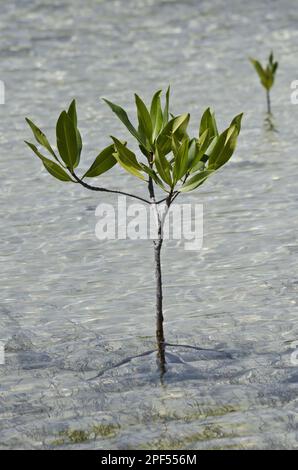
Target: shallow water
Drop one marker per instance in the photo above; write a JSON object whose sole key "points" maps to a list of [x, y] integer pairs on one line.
{"points": [[72, 308]]}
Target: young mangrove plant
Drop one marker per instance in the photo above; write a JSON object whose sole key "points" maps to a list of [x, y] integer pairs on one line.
{"points": [[169, 159], [266, 75]]}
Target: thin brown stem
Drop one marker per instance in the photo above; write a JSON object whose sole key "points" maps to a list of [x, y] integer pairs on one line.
{"points": [[268, 102], [160, 339], [96, 188]]}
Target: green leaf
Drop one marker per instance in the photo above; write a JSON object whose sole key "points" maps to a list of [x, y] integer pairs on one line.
{"points": [[230, 144], [67, 140], [53, 168], [175, 146], [237, 122], [163, 167], [271, 58], [193, 151], [263, 74], [197, 153], [103, 162], [208, 122], [204, 142], [180, 125], [166, 108], [181, 161], [41, 138], [122, 115], [226, 144], [258, 67], [145, 124], [217, 148], [177, 126], [72, 113], [164, 140], [127, 159], [228, 149], [195, 181], [156, 114]]}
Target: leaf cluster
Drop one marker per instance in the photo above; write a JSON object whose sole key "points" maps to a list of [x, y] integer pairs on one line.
{"points": [[169, 156], [266, 74]]}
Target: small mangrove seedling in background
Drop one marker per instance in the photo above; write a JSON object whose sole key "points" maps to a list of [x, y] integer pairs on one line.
{"points": [[267, 76], [169, 159]]}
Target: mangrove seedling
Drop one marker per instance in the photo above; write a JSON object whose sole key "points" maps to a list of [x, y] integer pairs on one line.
{"points": [[266, 75], [169, 159]]}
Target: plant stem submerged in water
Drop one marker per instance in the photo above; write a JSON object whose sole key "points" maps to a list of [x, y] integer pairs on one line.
{"points": [[268, 102]]}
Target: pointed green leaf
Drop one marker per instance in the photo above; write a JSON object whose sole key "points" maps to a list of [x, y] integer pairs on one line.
{"points": [[258, 67], [163, 167], [145, 123], [217, 148], [271, 58], [166, 108], [103, 162], [156, 114], [122, 115], [263, 75], [181, 161], [72, 113], [175, 126], [204, 141], [193, 151], [127, 159], [197, 153], [53, 168], [228, 149], [237, 122], [67, 140], [180, 125], [230, 144], [175, 146], [164, 140], [41, 138], [225, 145], [195, 181], [208, 122]]}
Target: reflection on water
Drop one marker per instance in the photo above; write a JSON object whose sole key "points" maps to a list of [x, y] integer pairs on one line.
{"points": [[269, 123], [73, 307]]}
